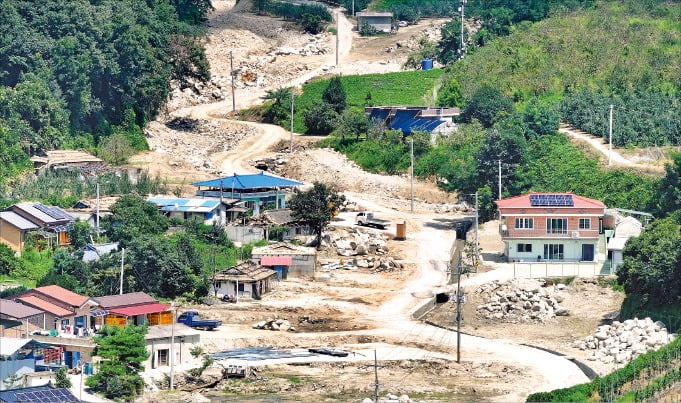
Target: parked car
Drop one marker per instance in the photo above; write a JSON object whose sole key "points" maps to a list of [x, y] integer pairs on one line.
{"points": [[192, 319]]}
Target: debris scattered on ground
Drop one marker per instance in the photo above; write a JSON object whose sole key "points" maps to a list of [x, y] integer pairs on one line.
{"points": [[192, 142], [391, 398], [521, 300], [623, 341], [281, 325]]}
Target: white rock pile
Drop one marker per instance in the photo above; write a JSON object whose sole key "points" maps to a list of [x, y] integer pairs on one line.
{"points": [[519, 300], [390, 398], [357, 242], [281, 325], [623, 341]]}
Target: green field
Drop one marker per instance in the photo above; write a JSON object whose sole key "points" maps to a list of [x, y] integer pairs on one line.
{"points": [[401, 88]]}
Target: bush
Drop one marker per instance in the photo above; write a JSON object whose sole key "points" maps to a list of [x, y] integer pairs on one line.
{"points": [[320, 118], [335, 95], [312, 23]]}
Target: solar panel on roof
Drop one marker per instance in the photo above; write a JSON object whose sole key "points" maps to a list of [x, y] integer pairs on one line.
{"points": [[53, 212], [551, 200], [55, 395]]}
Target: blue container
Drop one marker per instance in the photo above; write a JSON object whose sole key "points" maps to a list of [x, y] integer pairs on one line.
{"points": [[426, 64], [87, 368]]}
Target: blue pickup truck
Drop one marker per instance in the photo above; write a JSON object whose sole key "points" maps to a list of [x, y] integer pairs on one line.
{"points": [[192, 319]]}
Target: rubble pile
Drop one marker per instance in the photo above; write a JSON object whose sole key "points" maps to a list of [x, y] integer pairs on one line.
{"points": [[390, 398], [623, 341], [518, 300], [281, 325], [357, 242], [317, 45], [192, 142]]}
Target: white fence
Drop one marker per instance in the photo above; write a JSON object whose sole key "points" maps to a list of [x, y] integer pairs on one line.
{"points": [[565, 269]]}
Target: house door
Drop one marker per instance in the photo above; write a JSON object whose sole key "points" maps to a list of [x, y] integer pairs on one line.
{"points": [[588, 252]]}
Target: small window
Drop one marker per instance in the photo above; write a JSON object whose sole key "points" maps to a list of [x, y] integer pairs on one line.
{"points": [[524, 247], [585, 223], [163, 357], [524, 223]]}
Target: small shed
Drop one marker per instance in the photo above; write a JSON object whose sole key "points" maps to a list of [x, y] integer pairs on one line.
{"points": [[303, 260], [248, 278], [380, 21], [159, 340]]}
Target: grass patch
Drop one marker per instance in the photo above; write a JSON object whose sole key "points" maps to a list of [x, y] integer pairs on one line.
{"points": [[401, 88], [610, 282], [293, 379]]}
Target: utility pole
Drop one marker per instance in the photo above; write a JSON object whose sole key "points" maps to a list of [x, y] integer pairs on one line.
{"points": [[353, 8], [463, 43], [411, 170], [477, 249], [292, 103], [337, 37], [172, 348], [97, 218], [459, 300], [122, 260], [231, 68], [610, 137], [499, 179], [375, 376]]}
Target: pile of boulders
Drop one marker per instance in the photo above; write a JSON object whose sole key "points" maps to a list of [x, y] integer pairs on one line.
{"points": [[527, 300], [623, 341], [281, 325], [316, 46], [378, 264], [357, 242]]}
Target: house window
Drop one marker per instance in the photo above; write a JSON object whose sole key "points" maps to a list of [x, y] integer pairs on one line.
{"points": [[524, 247], [585, 223], [524, 223], [163, 357], [553, 252], [556, 226]]}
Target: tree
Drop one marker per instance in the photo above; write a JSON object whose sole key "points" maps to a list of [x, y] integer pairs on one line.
{"points": [[353, 122], [316, 207], [279, 110], [132, 216], [312, 23], [450, 43], [539, 119], [123, 350], [334, 95], [670, 188], [651, 271], [506, 143], [62, 379], [486, 105], [320, 118], [80, 234], [116, 149], [9, 263]]}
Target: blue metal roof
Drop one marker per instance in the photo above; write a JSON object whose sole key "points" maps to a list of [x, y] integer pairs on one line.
{"points": [[249, 181], [409, 125]]}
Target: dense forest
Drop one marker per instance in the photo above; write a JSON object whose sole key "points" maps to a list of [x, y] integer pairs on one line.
{"points": [[76, 72]]}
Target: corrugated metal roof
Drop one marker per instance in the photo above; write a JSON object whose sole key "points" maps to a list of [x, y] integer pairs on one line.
{"points": [[189, 205], [123, 300], [276, 260], [165, 331], [140, 309], [249, 181], [17, 310], [62, 294], [245, 271], [47, 214], [374, 14], [17, 220]]}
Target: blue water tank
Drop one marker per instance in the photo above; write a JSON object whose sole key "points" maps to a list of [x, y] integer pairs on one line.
{"points": [[427, 64]]}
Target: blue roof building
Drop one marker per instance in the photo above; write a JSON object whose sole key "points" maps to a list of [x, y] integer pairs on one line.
{"points": [[208, 211], [256, 191], [410, 118]]}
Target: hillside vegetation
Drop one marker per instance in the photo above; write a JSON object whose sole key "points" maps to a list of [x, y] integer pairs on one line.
{"points": [[401, 88], [622, 53], [75, 72]]}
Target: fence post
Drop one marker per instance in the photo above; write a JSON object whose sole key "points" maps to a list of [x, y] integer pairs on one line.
{"points": [[546, 267], [513, 269]]}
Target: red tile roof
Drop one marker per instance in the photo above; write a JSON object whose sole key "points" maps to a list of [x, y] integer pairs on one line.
{"points": [[276, 260], [62, 294], [122, 300], [523, 201], [49, 307], [140, 309]]}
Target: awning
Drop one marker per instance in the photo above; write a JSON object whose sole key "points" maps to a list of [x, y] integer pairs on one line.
{"points": [[276, 260], [98, 313], [140, 309]]}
